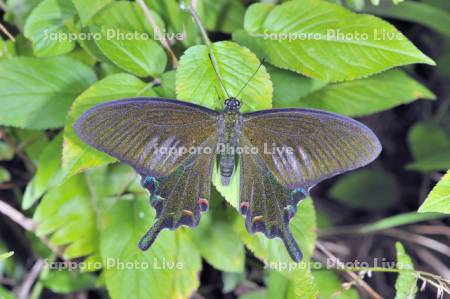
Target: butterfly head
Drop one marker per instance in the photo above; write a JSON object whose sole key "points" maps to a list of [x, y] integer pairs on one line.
{"points": [[232, 105]]}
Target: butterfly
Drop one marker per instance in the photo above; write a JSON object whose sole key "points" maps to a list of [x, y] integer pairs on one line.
{"points": [[175, 145]]}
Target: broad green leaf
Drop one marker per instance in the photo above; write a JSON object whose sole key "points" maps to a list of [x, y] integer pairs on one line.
{"points": [[167, 87], [284, 95], [300, 285], [68, 214], [438, 200], [364, 96], [88, 8], [221, 15], [422, 13], [37, 93], [140, 56], [48, 173], [32, 142], [196, 80], [325, 41], [66, 282], [6, 151], [126, 16], [47, 27], [219, 244], [169, 269], [405, 285], [430, 146], [5, 176], [17, 11], [366, 189], [7, 49], [6, 255], [329, 286], [77, 155]]}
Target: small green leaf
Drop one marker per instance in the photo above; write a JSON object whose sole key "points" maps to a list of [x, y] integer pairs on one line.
{"points": [[221, 15], [197, 82], [77, 155], [438, 200], [219, 244], [330, 286], [325, 41], [169, 269], [5, 176], [366, 189], [68, 214], [430, 146], [140, 56], [363, 96], [6, 151], [405, 285], [6, 255], [300, 285], [7, 49], [418, 12], [48, 173], [37, 93], [46, 27], [88, 8], [17, 11], [66, 282]]}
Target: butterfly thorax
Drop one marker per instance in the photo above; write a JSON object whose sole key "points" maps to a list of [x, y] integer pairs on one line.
{"points": [[229, 123]]}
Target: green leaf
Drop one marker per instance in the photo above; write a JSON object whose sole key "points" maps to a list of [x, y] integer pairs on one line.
{"points": [[363, 96], [140, 56], [5, 176], [284, 96], [46, 23], [48, 173], [430, 146], [6, 255], [422, 13], [17, 11], [405, 285], [4, 294], [197, 82], [126, 16], [88, 8], [68, 214], [217, 242], [6, 151], [66, 282], [77, 155], [37, 93], [301, 285], [399, 220], [7, 49], [221, 15], [366, 189], [438, 200], [327, 42], [330, 286], [169, 269]]}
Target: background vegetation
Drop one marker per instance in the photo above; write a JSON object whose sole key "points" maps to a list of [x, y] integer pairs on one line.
{"points": [[62, 201]]}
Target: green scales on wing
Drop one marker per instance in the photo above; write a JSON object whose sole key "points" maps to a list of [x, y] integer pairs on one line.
{"points": [[173, 144]]}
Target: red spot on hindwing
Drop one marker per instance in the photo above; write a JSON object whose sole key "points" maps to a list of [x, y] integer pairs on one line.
{"points": [[203, 203]]}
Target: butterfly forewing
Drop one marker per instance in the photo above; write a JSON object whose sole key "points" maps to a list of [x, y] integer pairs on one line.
{"points": [[303, 147], [161, 139], [146, 133]]}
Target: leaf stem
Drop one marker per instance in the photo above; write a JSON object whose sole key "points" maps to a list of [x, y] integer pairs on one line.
{"points": [[162, 38]]}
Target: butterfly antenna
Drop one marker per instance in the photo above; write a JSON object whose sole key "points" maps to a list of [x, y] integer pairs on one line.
{"points": [[251, 77], [216, 70]]}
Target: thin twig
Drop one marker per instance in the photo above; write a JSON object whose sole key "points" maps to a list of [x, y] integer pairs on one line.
{"points": [[17, 217], [355, 277], [159, 35], [7, 33], [24, 289]]}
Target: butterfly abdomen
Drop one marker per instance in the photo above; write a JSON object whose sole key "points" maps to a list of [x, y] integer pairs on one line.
{"points": [[229, 127]]}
